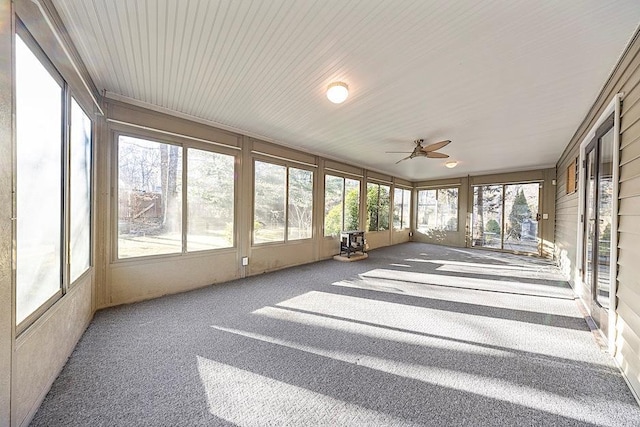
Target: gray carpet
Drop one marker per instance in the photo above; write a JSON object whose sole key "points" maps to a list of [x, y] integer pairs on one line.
{"points": [[414, 335]]}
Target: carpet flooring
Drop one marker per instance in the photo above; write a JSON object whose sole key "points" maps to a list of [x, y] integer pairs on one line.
{"points": [[414, 335]]}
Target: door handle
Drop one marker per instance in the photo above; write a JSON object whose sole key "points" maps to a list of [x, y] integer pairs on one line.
{"points": [[538, 217]]}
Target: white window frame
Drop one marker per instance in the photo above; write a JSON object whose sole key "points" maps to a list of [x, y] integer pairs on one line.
{"points": [[612, 108]]}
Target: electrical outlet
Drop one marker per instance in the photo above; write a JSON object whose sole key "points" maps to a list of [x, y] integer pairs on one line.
{"points": [[245, 261]]}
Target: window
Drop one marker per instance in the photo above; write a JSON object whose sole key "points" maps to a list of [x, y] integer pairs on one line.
{"points": [[341, 205], [151, 197], [572, 177], [80, 191], [270, 187], [401, 208], [300, 204], [48, 208], [377, 207], [438, 210], [210, 195], [283, 203], [39, 174]]}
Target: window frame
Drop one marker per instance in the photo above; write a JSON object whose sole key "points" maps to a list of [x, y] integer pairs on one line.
{"points": [[287, 164], [184, 142], [389, 213], [437, 191], [404, 191], [67, 96], [344, 201], [91, 186], [185, 205]]}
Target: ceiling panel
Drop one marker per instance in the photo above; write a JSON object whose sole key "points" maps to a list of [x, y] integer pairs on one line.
{"points": [[507, 82]]}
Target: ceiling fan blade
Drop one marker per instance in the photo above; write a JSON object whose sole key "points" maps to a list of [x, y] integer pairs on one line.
{"points": [[433, 155], [436, 146], [398, 152], [406, 158]]}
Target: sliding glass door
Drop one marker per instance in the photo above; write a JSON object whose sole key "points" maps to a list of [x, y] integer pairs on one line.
{"points": [[598, 216], [505, 216]]}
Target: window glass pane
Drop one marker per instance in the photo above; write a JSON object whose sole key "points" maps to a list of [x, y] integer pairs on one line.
{"points": [[384, 211], [39, 182], [447, 209], [333, 201], [406, 208], [269, 202], [378, 200], [487, 216], [80, 191], [300, 204], [397, 208], [373, 191], [426, 210], [605, 218], [351, 204], [210, 200], [149, 198], [401, 208]]}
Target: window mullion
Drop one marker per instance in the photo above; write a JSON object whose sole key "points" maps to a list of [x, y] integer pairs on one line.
{"points": [[344, 204], [401, 205], [378, 211], [65, 236], [185, 189], [286, 205]]}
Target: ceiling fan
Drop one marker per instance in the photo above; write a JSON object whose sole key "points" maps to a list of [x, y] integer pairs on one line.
{"points": [[425, 151]]}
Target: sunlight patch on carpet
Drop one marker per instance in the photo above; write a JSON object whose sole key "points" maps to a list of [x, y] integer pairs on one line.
{"points": [[245, 398], [265, 395]]}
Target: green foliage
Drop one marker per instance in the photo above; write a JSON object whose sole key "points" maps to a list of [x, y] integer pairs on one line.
{"points": [[519, 212], [352, 205], [377, 207], [606, 233], [492, 227], [333, 221]]}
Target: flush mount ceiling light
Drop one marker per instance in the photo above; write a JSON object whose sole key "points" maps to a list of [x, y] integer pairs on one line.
{"points": [[451, 164], [337, 92]]}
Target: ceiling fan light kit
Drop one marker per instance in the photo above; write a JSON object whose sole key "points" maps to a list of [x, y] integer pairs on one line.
{"points": [[337, 92]]}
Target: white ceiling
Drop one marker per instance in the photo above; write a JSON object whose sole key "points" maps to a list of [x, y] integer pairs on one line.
{"points": [[508, 81]]}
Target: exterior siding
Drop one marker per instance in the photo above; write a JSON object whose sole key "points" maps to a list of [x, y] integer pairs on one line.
{"points": [[626, 79], [628, 324]]}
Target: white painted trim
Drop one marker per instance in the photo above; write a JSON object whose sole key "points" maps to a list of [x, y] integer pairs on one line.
{"points": [[179, 135], [434, 187], [379, 181], [613, 254], [47, 19], [284, 159], [580, 287], [343, 172]]}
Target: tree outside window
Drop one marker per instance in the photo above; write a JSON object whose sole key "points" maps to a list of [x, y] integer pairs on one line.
{"points": [[438, 210], [149, 197], [300, 204], [378, 207], [341, 205], [283, 203], [401, 208]]}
